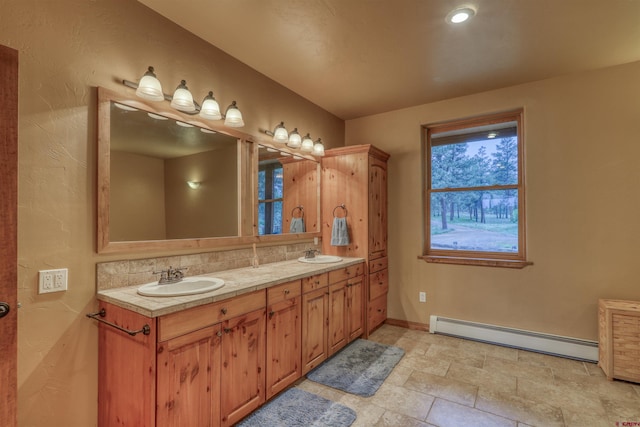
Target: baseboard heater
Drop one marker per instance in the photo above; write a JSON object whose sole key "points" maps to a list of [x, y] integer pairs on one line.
{"points": [[556, 345]]}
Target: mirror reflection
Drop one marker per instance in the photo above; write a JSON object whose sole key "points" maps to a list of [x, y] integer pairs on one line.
{"points": [[169, 179], [288, 193]]}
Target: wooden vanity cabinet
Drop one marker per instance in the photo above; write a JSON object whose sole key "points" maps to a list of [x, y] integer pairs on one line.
{"points": [[284, 336], [356, 176], [315, 319], [346, 319]]}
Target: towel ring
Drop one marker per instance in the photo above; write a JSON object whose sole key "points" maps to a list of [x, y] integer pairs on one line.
{"points": [[297, 208], [342, 206]]}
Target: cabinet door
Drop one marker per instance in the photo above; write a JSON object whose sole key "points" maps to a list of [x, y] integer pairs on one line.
{"points": [[314, 328], [338, 335], [377, 208], [355, 307], [188, 374], [243, 375], [284, 334]]}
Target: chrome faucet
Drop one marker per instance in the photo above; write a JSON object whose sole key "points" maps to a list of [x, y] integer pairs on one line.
{"points": [[311, 253], [172, 275]]}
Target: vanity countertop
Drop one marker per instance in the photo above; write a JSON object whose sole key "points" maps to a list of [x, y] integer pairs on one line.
{"points": [[237, 282]]}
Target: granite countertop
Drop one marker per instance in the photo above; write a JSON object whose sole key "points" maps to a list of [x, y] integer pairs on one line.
{"points": [[237, 282]]}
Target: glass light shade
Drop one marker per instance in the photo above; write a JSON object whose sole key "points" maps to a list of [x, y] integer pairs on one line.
{"points": [[210, 108], [318, 148], [233, 116], [307, 144], [182, 99], [280, 134], [295, 140], [149, 87]]}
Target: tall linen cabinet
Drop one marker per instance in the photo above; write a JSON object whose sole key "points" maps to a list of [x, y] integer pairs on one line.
{"points": [[354, 183]]}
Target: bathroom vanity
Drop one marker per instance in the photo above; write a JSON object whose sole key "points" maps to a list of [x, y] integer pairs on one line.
{"points": [[213, 358]]}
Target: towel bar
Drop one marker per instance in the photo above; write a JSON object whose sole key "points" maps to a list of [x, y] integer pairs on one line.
{"points": [[145, 330]]}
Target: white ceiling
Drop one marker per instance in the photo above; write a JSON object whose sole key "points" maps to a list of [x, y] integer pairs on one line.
{"points": [[360, 57]]}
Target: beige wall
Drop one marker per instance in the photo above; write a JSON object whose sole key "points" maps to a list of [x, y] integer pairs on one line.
{"points": [[67, 48], [582, 150]]}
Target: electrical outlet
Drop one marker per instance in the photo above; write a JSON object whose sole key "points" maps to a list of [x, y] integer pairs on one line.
{"points": [[423, 297], [52, 280]]}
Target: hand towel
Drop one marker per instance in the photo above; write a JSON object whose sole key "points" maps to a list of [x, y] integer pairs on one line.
{"points": [[297, 225], [339, 232]]}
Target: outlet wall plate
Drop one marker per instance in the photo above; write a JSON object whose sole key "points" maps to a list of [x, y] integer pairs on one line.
{"points": [[52, 280]]}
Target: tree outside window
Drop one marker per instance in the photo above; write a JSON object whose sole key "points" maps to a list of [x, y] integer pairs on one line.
{"points": [[474, 191]]}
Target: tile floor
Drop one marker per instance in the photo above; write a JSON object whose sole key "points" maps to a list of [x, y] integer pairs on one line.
{"points": [[444, 381]]}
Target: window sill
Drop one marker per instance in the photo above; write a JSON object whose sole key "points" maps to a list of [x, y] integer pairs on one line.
{"points": [[484, 262]]}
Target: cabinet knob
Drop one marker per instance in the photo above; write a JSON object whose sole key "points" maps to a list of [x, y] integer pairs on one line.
{"points": [[226, 330], [219, 333], [271, 313], [223, 311], [286, 291]]}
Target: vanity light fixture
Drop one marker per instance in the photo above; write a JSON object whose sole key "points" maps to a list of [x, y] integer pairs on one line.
{"points": [[295, 140], [149, 87], [210, 108], [318, 148], [157, 116], [461, 14], [233, 117], [124, 107], [280, 134], [183, 124], [307, 144], [194, 185], [182, 99]]}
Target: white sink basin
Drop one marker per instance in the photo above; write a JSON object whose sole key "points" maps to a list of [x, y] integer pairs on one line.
{"points": [[321, 259], [187, 286]]}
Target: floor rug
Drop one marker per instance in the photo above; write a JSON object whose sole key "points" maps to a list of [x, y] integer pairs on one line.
{"points": [[296, 407], [360, 368]]}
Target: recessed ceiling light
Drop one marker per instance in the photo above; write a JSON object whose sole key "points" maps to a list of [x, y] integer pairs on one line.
{"points": [[461, 14]]}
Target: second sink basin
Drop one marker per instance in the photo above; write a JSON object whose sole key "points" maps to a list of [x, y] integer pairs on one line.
{"points": [[187, 286], [321, 259]]}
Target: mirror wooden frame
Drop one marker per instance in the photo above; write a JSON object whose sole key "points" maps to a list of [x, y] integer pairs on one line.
{"points": [[247, 188]]}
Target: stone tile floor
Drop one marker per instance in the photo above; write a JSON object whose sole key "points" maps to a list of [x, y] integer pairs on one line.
{"points": [[444, 381]]}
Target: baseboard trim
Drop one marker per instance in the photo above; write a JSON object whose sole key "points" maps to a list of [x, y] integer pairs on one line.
{"points": [[409, 325]]}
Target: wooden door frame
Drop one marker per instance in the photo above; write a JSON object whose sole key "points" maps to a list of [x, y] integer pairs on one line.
{"points": [[8, 234]]}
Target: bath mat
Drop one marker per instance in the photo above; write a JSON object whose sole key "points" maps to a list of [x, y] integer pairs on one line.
{"points": [[296, 407], [360, 368]]}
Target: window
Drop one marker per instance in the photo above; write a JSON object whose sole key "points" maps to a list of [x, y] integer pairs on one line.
{"points": [[474, 206], [270, 186]]}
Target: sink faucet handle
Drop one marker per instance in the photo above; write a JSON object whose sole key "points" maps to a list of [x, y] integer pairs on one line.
{"points": [[311, 253]]}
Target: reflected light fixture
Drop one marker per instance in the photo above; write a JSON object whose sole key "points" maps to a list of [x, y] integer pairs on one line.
{"points": [[461, 14], [233, 116], [182, 99], [149, 87], [280, 134], [295, 140], [210, 108], [157, 116], [194, 185], [184, 124], [307, 144], [318, 148]]}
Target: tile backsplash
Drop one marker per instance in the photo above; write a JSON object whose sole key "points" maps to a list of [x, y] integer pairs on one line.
{"points": [[117, 274]]}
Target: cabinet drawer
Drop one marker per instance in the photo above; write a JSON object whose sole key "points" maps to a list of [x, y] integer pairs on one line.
{"points": [[312, 283], [276, 294], [346, 273], [378, 284], [378, 264], [377, 312], [182, 322]]}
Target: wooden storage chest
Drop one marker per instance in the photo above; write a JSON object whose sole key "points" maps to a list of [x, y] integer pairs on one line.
{"points": [[619, 339]]}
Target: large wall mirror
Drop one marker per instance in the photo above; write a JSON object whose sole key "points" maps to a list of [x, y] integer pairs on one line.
{"points": [[169, 181], [166, 181]]}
